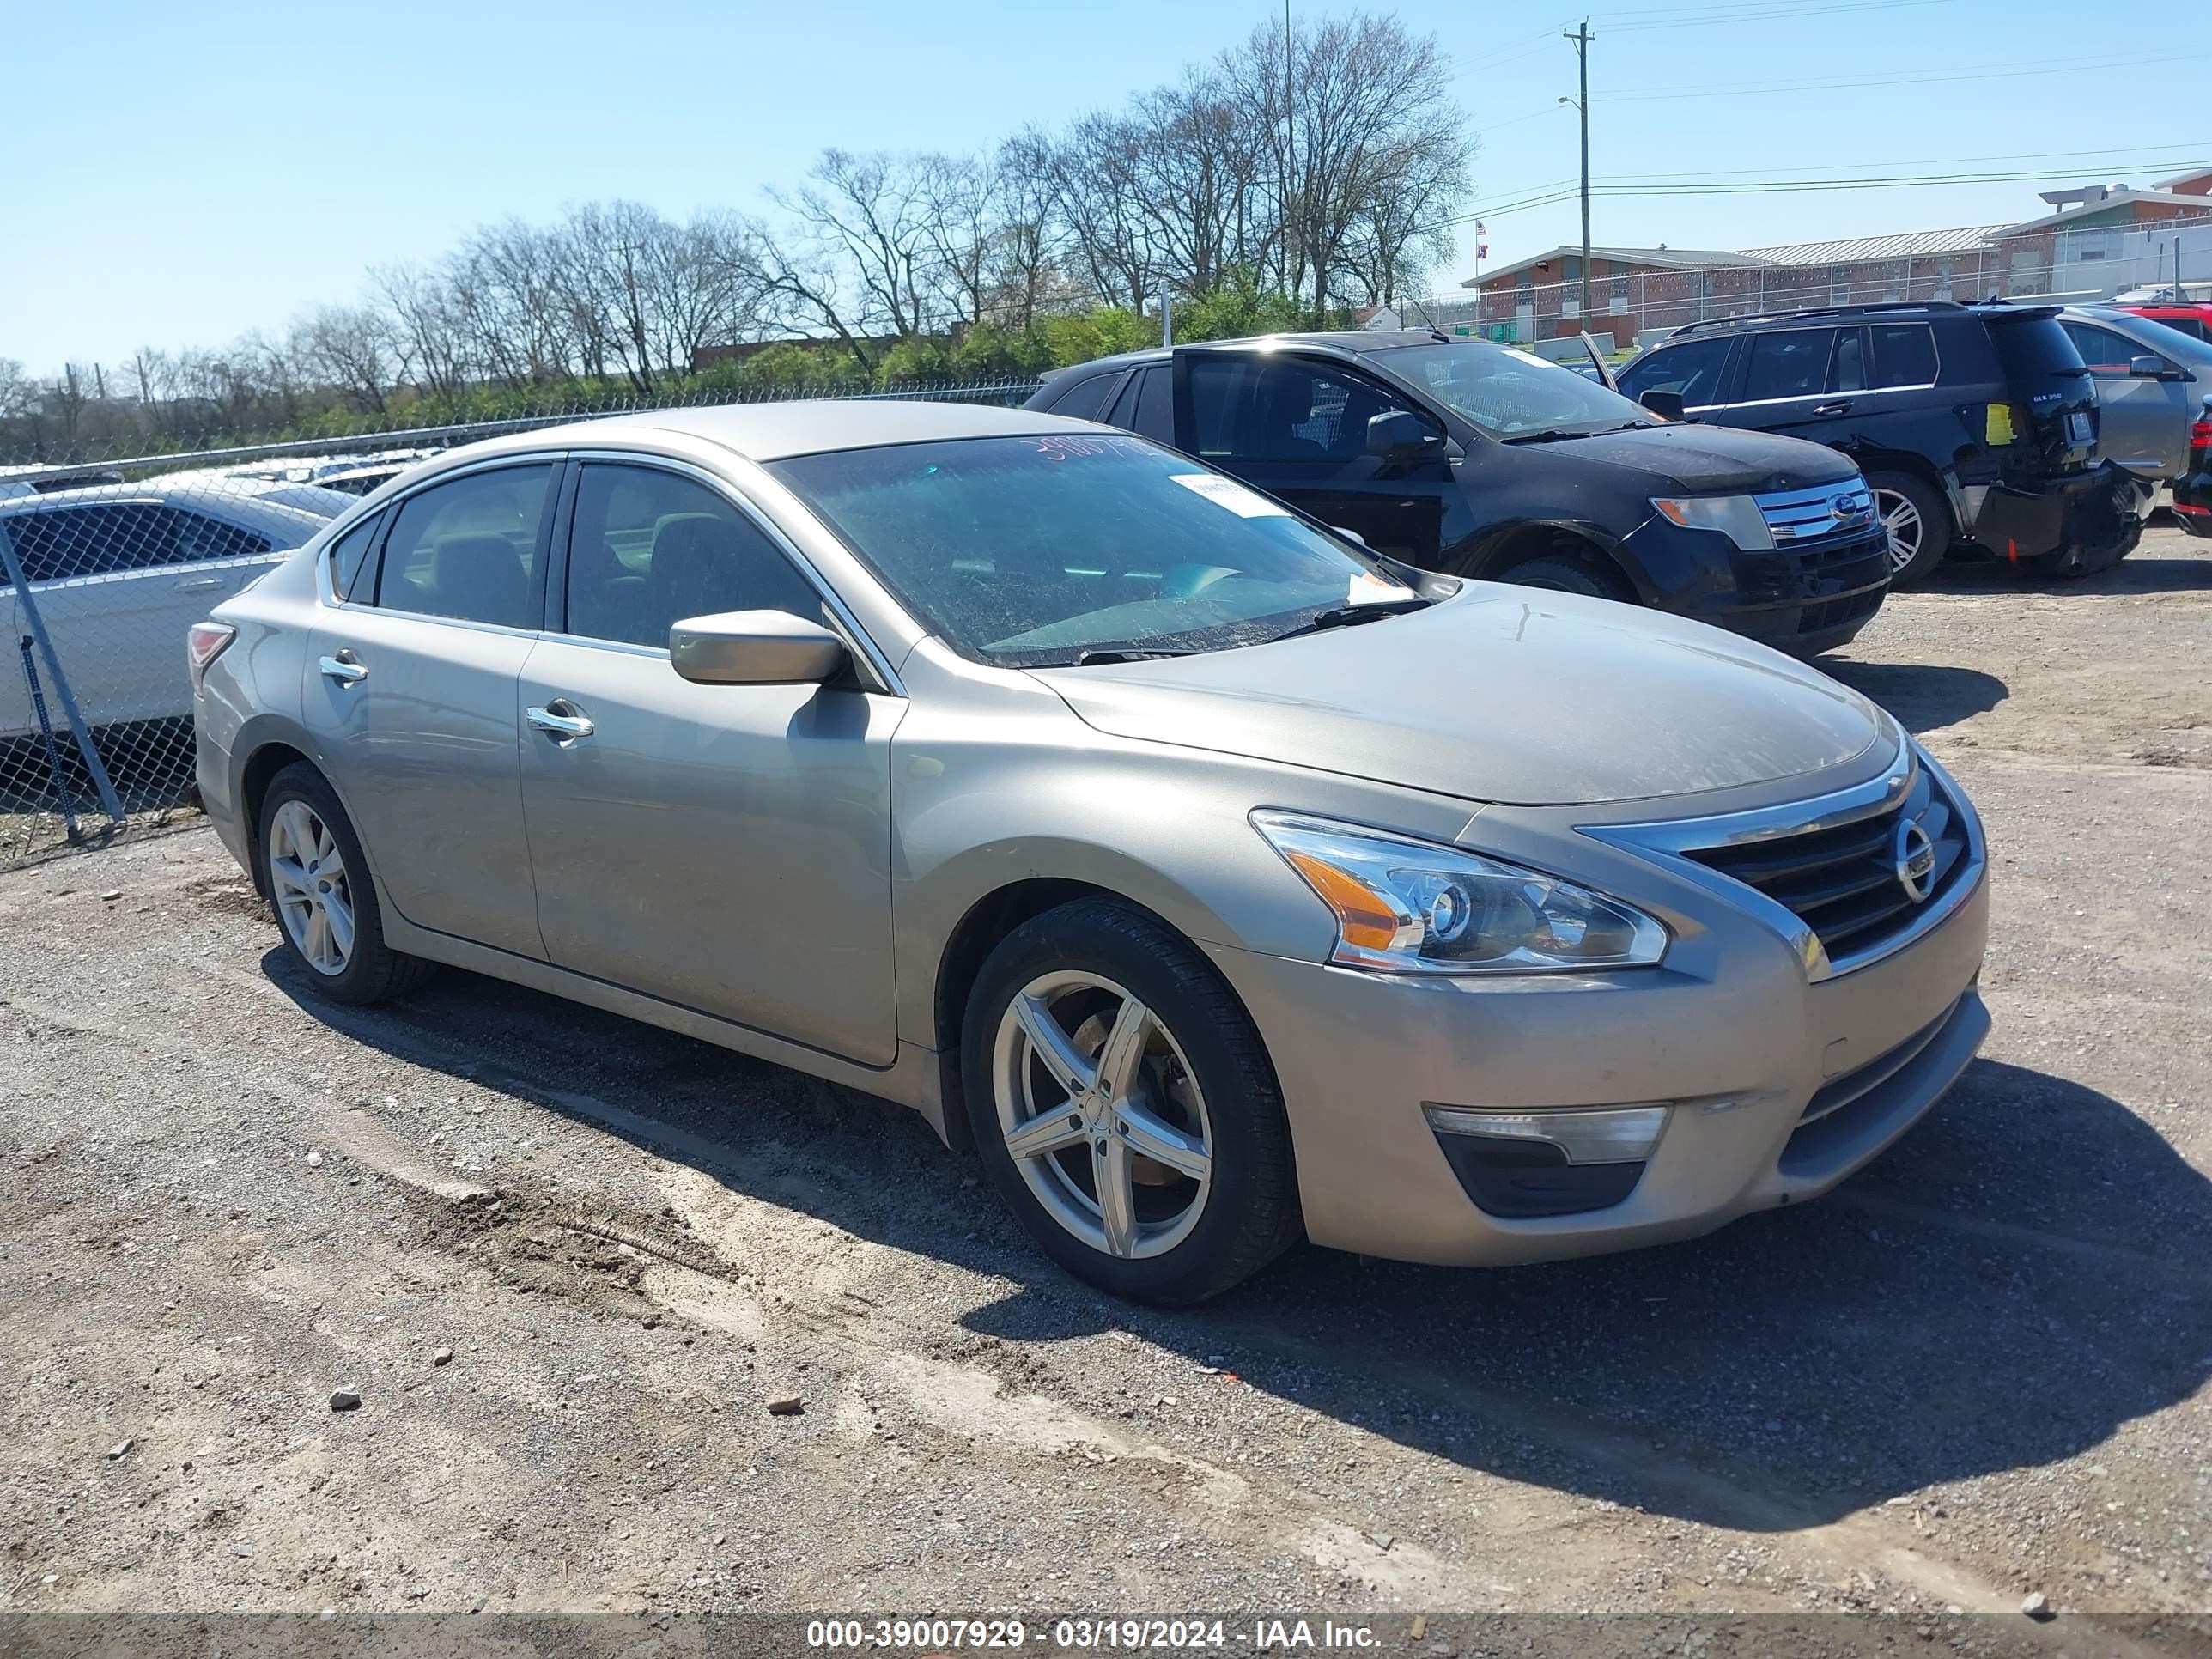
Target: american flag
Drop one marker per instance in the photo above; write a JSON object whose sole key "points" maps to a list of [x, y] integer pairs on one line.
{"points": [[1481, 240]]}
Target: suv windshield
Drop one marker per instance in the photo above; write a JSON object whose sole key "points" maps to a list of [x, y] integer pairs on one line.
{"points": [[1513, 394], [1034, 551]]}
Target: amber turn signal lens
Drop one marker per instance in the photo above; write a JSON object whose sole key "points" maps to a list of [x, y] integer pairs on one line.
{"points": [[1363, 916]]}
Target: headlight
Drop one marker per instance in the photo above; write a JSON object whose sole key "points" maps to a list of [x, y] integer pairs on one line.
{"points": [[1736, 517], [1414, 907]]}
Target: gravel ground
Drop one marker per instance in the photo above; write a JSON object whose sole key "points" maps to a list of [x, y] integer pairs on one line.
{"points": [[566, 1263]]}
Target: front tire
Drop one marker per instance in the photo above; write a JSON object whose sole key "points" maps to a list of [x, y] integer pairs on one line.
{"points": [[1125, 1107], [318, 881], [1917, 523], [1559, 575]]}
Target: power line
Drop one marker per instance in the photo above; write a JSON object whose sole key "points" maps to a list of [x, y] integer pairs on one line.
{"points": [[1547, 196], [1740, 89]]}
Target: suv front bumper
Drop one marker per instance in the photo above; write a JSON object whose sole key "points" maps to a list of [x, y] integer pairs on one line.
{"points": [[1801, 600]]}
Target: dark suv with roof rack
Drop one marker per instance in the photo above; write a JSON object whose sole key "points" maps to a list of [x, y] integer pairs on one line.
{"points": [[1482, 460], [1975, 425]]}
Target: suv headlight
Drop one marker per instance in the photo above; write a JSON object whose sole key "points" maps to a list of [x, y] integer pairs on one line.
{"points": [[1415, 906], [1736, 517]]}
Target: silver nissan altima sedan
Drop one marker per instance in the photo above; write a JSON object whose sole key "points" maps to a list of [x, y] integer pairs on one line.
{"points": [[1218, 881]]}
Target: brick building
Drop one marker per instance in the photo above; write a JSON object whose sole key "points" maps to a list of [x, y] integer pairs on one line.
{"points": [[2097, 238]]}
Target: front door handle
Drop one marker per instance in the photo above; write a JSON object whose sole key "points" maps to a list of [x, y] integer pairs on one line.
{"points": [[1844, 407], [343, 669], [564, 729], [199, 584]]}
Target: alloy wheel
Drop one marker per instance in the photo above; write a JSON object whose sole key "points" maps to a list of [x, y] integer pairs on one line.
{"points": [[1102, 1115], [1901, 520], [314, 895]]}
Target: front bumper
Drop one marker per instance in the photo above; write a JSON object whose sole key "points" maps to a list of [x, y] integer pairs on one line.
{"points": [[1780, 1084], [2192, 502], [1802, 600]]}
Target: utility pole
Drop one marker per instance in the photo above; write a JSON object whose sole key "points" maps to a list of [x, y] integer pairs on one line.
{"points": [[1293, 233], [1581, 37]]}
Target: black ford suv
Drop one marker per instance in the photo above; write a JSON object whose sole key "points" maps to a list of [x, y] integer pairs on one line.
{"points": [[1975, 425], [1478, 460]]}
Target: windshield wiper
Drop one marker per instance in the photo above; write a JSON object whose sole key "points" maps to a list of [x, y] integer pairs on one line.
{"points": [[1551, 434], [1105, 653], [1343, 616]]}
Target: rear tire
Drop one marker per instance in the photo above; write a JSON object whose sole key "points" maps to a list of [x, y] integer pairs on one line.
{"points": [[1098, 992], [1918, 521], [317, 879]]}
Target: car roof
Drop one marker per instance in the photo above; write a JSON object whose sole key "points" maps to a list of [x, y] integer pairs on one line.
{"points": [[775, 431], [1353, 341], [234, 499]]}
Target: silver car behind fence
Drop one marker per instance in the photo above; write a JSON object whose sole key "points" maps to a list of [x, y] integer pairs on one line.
{"points": [[111, 550]]}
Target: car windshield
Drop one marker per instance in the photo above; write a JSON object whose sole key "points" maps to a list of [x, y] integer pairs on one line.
{"points": [[1049, 550], [2149, 334], [1511, 394]]}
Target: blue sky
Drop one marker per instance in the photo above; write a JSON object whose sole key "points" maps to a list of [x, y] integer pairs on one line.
{"points": [[180, 174]]}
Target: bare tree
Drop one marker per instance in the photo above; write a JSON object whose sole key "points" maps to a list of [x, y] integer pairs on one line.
{"points": [[424, 312], [1196, 172], [1022, 268], [1093, 171], [1353, 109], [873, 214], [357, 349]]}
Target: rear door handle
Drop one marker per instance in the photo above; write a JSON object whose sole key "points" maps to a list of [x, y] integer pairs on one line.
{"points": [[563, 729], [343, 669], [1844, 407], [199, 584]]}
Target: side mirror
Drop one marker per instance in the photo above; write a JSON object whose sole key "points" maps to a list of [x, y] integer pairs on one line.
{"points": [[1667, 405], [1398, 434], [754, 647], [1349, 534], [2147, 368]]}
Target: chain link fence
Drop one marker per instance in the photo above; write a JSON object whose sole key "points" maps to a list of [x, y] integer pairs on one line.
{"points": [[108, 558]]}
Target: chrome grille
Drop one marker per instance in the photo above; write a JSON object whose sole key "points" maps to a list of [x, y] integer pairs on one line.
{"points": [[1842, 880], [1796, 518]]}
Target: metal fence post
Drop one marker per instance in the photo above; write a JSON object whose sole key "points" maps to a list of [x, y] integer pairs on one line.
{"points": [[108, 800]]}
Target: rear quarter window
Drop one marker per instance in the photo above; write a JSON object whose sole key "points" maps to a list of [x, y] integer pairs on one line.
{"points": [[1085, 399]]}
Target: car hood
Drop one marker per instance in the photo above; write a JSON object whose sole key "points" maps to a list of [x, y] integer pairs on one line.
{"points": [[1713, 460], [1500, 694]]}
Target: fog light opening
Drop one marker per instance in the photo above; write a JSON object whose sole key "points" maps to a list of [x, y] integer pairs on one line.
{"points": [[1523, 1165], [1607, 1134]]}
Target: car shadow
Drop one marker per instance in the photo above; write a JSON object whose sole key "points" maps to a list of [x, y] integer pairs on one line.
{"points": [[2137, 574], [1925, 697], [2017, 1279]]}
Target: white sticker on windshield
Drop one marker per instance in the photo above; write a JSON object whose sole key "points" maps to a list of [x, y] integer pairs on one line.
{"points": [[1227, 492]]}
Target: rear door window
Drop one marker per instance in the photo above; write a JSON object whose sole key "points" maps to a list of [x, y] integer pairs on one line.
{"points": [[59, 544], [1789, 363], [1903, 354], [467, 548], [1146, 405]]}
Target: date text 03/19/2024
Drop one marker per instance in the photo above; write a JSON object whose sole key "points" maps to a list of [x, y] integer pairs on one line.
{"points": [[929, 1635]]}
